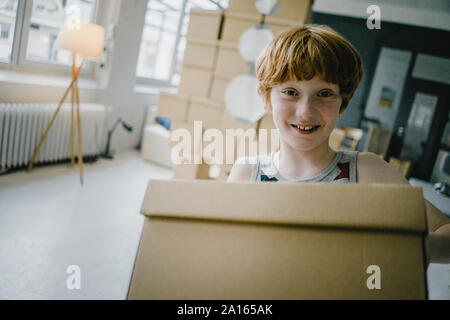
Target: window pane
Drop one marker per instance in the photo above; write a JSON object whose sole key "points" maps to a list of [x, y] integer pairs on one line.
{"points": [[47, 18], [164, 39], [8, 14]]}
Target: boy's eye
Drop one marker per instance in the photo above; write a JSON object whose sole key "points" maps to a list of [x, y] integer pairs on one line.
{"points": [[325, 94], [290, 92]]}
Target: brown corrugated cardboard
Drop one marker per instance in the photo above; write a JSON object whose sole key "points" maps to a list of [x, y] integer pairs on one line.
{"points": [[229, 61], [277, 26], [294, 9], [207, 103], [191, 171], [196, 137], [228, 122], [204, 24], [268, 136], [235, 23], [247, 6], [200, 53], [208, 113], [280, 241], [219, 86], [267, 122], [195, 82], [290, 9], [172, 105]]}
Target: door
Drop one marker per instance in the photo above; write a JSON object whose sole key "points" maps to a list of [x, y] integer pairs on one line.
{"points": [[424, 113]]}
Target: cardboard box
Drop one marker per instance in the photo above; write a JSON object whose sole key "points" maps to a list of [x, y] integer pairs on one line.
{"points": [[271, 140], [191, 171], [228, 122], [200, 53], [277, 25], [401, 165], [207, 111], [205, 24], [247, 240], [219, 86], [267, 122], [298, 10], [290, 9], [247, 6], [196, 137], [195, 82], [236, 23], [229, 61], [172, 105]]}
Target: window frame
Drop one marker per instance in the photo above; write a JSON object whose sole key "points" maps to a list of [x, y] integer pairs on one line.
{"points": [[157, 82], [18, 60], [168, 83]]}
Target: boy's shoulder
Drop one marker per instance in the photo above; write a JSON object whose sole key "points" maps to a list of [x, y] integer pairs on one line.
{"points": [[243, 167], [371, 168]]}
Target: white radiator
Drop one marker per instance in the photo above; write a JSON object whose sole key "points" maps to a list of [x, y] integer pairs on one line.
{"points": [[22, 126]]}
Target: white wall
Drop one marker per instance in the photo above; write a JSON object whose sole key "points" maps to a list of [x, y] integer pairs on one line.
{"points": [[114, 85], [424, 13], [121, 74]]}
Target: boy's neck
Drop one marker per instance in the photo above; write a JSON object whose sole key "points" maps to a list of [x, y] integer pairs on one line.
{"points": [[296, 164]]}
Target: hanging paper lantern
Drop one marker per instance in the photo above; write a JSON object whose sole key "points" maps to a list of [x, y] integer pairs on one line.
{"points": [[253, 41], [267, 7], [242, 99]]}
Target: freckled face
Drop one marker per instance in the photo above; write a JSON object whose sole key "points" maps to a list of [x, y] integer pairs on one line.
{"points": [[305, 112]]}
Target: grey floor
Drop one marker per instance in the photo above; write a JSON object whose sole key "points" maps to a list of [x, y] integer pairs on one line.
{"points": [[49, 222]]}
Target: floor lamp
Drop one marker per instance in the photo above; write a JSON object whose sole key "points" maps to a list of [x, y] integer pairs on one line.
{"points": [[87, 41]]}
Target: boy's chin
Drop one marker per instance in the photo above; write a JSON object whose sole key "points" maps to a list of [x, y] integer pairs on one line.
{"points": [[306, 146]]}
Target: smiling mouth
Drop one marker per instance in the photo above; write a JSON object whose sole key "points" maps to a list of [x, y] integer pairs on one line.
{"points": [[305, 129]]}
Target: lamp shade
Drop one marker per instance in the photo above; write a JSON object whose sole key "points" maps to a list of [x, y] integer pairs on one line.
{"points": [[84, 39]]}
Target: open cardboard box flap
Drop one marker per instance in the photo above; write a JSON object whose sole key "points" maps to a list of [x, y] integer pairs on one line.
{"points": [[320, 205], [218, 240]]}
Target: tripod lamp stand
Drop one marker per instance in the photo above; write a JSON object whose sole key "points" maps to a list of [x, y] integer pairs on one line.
{"points": [[87, 41]]}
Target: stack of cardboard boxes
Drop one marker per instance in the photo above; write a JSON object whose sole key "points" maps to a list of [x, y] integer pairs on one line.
{"points": [[211, 61]]}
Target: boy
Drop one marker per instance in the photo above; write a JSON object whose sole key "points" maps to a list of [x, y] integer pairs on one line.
{"points": [[307, 76]]}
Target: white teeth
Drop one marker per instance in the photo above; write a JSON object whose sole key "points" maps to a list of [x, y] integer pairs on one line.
{"points": [[303, 128]]}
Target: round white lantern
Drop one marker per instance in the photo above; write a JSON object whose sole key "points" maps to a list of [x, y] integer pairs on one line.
{"points": [[267, 7], [253, 41], [242, 99]]}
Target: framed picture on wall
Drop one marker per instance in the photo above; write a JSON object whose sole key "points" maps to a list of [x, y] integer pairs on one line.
{"points": [[419, 125], [387, 86]]}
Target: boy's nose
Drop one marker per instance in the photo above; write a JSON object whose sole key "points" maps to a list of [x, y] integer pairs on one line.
{"points": [[304, 107]]}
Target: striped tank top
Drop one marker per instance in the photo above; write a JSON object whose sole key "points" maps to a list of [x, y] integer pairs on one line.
{"points": [[341, 170]]}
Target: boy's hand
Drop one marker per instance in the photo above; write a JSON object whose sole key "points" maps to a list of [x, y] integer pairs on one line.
{"points": [[438, 245]]}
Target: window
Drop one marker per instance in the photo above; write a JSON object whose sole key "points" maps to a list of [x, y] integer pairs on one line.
{"points": [[38, 23], [47, 17], [164, 38], [8, 14], [4, 30]]}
